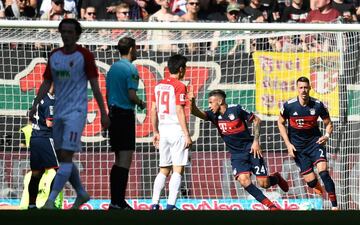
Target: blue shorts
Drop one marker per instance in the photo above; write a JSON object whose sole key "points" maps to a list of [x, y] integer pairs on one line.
{"points": [[308, 157], [42, 154], [244, 162], [67, 131]]}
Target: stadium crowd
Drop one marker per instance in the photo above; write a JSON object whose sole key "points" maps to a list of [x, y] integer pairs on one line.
{"points": [[185, 10]]}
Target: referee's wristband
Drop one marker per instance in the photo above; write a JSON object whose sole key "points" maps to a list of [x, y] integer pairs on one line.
{"points": [[327, 135]]}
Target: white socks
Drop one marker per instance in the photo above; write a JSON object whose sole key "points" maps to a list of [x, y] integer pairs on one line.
{"points": [[159, 185], [174, 187]]}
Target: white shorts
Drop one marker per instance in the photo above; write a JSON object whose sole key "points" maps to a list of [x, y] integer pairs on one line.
{"points": [[67, 132], [173, 152]]}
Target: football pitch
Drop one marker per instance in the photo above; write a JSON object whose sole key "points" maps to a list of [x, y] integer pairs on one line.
{"points": [[75, 217]]}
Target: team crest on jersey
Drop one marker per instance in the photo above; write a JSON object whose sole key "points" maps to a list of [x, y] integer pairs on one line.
{"points": [[182, 97], [231, 116], [312, 112], [234, 171]]}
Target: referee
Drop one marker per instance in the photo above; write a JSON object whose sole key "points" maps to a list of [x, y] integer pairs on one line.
{"points": [[122, 82]]}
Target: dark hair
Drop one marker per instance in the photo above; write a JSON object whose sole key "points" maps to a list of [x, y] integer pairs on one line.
{"points": [[125, 44], [217, 92], [303, 79], [76, 24], [176, 62]]}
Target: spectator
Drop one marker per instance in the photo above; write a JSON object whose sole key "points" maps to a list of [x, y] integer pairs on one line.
{"points": [[138, 10], [2, 10], [217, 10], [20, 9], [163, 15], [357, 8], [192, 11], [324, 13], [295, 13], [69, 7], [191, 15], [227, 47], [270, 8], [57, 11], [253, 13], [346, 10], [122, 12], [90, 13], [178, 7], [104, 9]]}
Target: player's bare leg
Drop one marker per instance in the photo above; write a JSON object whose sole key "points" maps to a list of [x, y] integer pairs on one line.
{"points": [[245, 181], [313, 182], [272, 180]]}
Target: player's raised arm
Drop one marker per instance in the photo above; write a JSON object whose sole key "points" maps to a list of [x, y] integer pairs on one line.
{"points": [[194, 109], [281, 125]]}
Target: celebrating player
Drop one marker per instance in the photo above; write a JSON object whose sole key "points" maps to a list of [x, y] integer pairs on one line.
{"points": [[171, 134], [304, 141], [246, 157]]}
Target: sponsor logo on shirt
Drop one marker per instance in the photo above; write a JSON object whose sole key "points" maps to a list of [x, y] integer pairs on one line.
{"points": [[62, 74]]}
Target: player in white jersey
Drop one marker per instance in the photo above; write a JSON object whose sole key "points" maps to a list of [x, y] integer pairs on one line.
{"points": [[171, 134], [70, 68]]}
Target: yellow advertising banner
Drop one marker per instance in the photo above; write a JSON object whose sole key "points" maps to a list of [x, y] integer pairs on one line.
{"points": [[276, 74]]}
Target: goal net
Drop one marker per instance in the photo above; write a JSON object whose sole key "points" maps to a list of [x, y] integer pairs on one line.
{"points": [[256, 68]]}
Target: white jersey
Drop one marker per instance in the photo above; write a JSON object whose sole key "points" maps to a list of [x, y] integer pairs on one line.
{"points": [[167, 94], [70, 74]]}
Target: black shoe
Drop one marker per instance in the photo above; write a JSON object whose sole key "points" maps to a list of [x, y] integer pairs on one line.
{"points": [[32, 207], [117, 207], [125, 206]]}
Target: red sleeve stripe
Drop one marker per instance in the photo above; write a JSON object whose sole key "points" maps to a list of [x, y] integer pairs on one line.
{"points": [[252, 117], [89, 61]]}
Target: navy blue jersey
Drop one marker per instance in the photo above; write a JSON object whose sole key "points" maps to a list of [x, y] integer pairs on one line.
{"points": [[303, 127], [232, 127], [45, 111]]}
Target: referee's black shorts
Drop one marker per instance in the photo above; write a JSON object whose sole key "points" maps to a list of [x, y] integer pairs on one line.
{"points": [[122, 129]]}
